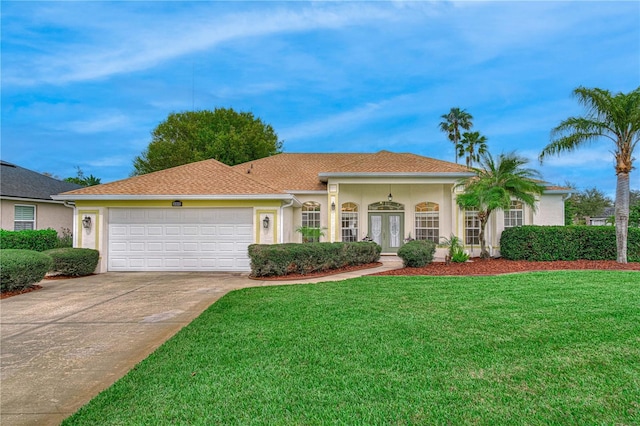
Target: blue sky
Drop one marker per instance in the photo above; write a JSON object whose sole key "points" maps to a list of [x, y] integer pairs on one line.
{"points": [[84, 83]]}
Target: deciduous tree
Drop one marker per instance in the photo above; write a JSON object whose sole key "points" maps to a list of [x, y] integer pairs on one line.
{"points": [[223, 134]]}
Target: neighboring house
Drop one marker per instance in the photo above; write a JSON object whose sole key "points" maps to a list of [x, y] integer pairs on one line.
{"points": [[26, 203], [606, 218], [202, 216]]}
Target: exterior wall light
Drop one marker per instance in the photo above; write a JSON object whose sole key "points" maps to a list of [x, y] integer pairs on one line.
{"points": [[86, 222], [265, 222], [390, 197], [333, 206]]}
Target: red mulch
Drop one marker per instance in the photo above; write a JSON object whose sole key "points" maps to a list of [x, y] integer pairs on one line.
{"points": [[6, 294], [502, 266]]}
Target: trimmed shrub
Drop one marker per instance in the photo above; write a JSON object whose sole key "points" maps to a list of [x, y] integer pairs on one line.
{"points": [[75, 262], [37, 240], [539, 243], [292, 258], [417, 253], [20, 269]]}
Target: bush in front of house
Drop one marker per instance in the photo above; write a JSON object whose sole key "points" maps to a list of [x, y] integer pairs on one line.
{"points": [[28, 239], [20, 269], [540, 243], [417, 253], [291, 258], [75, 262]]}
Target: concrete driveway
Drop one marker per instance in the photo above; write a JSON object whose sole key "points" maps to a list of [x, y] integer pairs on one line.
{"points": [[62, 345]]}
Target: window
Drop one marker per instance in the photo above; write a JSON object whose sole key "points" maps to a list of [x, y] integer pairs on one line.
{"points": [[471, 227], [428, 222], [514, 216], [349, 222], [24, 218], [311, 219]]}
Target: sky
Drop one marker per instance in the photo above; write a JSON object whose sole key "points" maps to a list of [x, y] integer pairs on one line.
{"points": [[84, 83]]}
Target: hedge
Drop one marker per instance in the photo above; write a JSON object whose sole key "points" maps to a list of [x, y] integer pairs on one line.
{"points": [[417, 253], [292, 258], [20, 269], [37, 240], [540, 243], [74, 262]]}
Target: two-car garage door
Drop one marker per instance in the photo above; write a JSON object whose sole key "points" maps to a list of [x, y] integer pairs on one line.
{"points": [[179, 239]]}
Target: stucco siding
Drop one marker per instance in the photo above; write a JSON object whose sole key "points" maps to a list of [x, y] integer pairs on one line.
{"points": [[550, 210], [48, 215]]}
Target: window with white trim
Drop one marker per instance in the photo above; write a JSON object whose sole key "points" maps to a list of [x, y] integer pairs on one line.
{"points": [[311, 218], [427, 221], [24, 217], [515, 215], [349, 222], [471, 227]]}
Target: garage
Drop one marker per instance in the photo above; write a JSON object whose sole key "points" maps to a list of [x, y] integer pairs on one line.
{"points": [[179, 239]]}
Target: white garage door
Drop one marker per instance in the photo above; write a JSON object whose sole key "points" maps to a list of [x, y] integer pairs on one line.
{"points": [[179, 239]]}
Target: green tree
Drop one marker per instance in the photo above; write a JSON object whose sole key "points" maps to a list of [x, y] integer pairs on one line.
{"points": [[223, 134], [614, 117], [493, 187], [81, 179], [473, 146], [590, 202], [452, 122]]}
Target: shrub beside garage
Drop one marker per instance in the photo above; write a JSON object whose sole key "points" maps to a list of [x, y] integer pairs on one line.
{"points": [[20, 269], [293, 258], [74, 262], [37, 240]]}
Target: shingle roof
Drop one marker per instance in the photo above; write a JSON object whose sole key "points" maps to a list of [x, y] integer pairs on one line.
{"points": [[18, 182], [208, 177], [301, 172]]}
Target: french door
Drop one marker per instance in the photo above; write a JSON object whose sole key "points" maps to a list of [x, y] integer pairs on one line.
{"points": [[387, 229]]}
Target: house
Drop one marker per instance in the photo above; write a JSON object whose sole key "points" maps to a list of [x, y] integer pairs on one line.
{"points": [[26, 203], [203, 215]]}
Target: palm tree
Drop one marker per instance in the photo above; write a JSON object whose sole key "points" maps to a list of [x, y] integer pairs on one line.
{"points": [[455, 120], [614, 117], [474, 146], [493, 187]]}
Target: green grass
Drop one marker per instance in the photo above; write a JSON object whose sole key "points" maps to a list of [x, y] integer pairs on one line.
{"points": [[534, 349]]}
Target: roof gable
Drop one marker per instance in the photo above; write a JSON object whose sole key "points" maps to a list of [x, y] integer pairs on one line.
{"points": [[18, 182], [207, 177]]}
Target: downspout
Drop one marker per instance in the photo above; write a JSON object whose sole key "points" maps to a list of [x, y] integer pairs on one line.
{"points": [[72, 205], [281, 221]]}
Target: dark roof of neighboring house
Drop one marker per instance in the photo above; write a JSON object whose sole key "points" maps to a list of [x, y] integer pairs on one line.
{"points": [[18, 182]]}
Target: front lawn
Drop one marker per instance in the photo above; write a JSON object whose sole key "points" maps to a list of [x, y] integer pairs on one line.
{"points": [[538, 348]]}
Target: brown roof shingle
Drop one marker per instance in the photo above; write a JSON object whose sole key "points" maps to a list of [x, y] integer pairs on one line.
{"points": [[300, 172], [208, 177]]}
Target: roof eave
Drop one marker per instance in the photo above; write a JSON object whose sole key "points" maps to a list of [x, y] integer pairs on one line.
{"points": [[325, 176], [101, 197]]}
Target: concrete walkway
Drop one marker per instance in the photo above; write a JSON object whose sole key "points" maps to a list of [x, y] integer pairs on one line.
{"points": [[61, 345]]}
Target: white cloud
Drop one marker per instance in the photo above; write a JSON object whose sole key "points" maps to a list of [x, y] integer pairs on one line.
{"points": [[98, 125], [135, 42]]}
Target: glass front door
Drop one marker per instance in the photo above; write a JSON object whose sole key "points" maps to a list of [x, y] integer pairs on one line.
{"points": [[387, 229]]}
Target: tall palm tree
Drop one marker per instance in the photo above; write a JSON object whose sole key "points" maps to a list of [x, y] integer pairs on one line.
{"points": [[455, 120], [493, 187], [474, 146], [615, 117]]}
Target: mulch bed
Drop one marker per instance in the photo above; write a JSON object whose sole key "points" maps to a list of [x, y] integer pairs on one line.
{"points": [[502, 266], [6, 294]]}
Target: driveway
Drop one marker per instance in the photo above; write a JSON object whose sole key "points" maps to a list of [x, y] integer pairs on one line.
{"points": [[62, 345]]}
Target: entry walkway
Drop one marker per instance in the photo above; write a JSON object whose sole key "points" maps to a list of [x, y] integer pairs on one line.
{"points": [[61, 345]]}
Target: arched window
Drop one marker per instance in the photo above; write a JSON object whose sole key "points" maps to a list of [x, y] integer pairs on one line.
{"points": [[349, 222], [427, 217], [515, 215]]}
